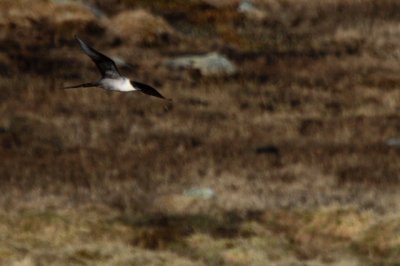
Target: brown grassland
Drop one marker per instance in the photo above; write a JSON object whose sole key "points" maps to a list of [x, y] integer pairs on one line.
{"points": [[301, 146]]}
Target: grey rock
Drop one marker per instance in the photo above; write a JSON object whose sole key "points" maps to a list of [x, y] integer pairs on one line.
{"points": [[393, 142], [251, 11], [200, 193], [246, 6], [95, 10], [211, 64]]}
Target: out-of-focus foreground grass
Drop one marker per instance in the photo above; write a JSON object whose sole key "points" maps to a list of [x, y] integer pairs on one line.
{"points": [[301, 146]]}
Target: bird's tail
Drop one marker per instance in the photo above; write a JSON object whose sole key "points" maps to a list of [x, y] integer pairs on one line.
{"points": [[84, 85]]}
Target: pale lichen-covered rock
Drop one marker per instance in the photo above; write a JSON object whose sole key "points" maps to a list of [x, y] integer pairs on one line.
{"points": [[92, 7], [212, 64], [140, 26], [251, 11]]}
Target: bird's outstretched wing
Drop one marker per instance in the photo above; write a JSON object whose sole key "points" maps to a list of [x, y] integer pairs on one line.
{"points": [[107, 67], [147, 89]]}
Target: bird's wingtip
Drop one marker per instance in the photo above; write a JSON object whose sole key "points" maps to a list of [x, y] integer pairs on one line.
{"points": [[79, 40]]}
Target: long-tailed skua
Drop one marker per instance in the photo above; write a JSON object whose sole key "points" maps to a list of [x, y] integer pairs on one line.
{"points": [[111, 79]]}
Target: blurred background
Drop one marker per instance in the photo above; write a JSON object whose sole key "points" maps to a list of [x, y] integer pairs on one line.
{"points": [[281, 145]]}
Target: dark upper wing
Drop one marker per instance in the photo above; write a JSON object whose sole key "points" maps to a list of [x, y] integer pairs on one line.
{"points": [[146, 89], [106, 66]]}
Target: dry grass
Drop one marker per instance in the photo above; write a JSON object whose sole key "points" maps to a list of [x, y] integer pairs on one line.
{"points": [[293, 145]]}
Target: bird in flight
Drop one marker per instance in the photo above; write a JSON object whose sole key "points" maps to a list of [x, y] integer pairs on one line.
{"points": [[111, 79]]}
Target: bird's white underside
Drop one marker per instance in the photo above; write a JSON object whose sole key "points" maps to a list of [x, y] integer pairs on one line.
{"points": [[120, 84]]}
